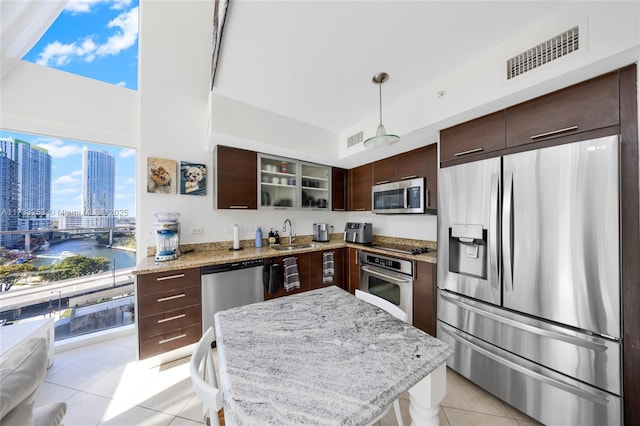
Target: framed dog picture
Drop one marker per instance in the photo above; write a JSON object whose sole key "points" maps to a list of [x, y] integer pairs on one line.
{"points": [[193, 178], [161, 176]]}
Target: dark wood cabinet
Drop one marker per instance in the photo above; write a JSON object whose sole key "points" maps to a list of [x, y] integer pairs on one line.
{"points": [[169, 314], [384, 171], [473, 138], [303, 272], [316, 269], [236, 178], [360, 181], [431, 197], [425, 312], [339, 189], [591, 105], [353, 269]]}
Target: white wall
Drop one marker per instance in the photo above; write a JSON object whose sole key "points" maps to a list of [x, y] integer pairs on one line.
{"points": [[168, 117]]}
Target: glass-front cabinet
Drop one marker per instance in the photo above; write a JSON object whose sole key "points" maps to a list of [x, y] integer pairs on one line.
{"points": [[315, 186], [278, 185], [291, 184]]}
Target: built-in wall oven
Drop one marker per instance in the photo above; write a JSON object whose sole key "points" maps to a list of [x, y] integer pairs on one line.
{"points": [[390, 278]]}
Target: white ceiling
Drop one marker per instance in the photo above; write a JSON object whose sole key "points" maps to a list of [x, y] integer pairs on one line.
{"points": [[313, 60]]}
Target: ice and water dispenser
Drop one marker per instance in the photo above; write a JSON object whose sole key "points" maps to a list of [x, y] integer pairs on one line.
{"points": [[468, 250]]}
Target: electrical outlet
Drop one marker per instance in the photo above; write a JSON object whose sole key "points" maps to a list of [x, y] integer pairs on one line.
{"points": [[197, 230]]}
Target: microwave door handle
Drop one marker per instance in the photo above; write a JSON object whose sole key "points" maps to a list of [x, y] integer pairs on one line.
{"points": [[494, 266]]}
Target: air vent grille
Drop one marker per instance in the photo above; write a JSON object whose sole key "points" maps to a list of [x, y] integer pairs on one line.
{"points": [[550, 50], [354, 139]]}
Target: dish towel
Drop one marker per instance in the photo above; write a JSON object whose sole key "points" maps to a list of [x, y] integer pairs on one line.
{"points": [[327, 267], [291, 276]]}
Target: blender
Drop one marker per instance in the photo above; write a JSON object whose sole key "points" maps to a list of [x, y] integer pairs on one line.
{"points": [[167, 236]]}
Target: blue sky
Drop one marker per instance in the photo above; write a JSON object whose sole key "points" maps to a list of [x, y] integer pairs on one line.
{"points": [[96, 39]]}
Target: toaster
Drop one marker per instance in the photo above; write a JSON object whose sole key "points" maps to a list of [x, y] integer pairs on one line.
{"points": [[358, 232]]}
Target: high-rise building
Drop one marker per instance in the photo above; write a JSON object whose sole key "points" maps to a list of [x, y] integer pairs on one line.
{"points": [[26, 188], [98, 188]]}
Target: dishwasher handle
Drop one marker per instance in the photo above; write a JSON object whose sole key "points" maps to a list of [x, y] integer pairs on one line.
{"points": [[216, 269]]}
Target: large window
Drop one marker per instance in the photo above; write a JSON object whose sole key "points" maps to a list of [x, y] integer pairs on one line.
{"points": [[67, 233]]}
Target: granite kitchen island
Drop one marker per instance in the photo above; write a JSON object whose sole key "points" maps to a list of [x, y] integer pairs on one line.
{"points": [[324, 357]]}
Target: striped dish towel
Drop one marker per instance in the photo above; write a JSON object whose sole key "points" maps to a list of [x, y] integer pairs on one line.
{"points": [[291, 276], [328, 269]]}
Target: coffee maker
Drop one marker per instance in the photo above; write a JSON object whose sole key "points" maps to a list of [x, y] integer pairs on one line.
{"points": [[167, 236]]}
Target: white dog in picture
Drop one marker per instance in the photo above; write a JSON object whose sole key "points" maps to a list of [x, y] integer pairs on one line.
{"points": [[193, 176]]}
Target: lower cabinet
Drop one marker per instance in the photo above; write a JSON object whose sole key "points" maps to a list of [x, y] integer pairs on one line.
{"points": [[169, 314], [353, 269], [303, 273], [310, 270], [316, 269], [425, 312]]}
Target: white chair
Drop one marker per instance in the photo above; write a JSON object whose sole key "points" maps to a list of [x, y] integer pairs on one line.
{"points": [[402, 316], [203, 377]]}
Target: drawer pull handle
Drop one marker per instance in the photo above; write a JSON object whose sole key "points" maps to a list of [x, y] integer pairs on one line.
{"points": [[171, 339], [338, 210], [171, 318], [238, 207], [383, 181], [361, 209], [177, 296], [170, 277], [554, 132], [408, 177], [471, 151]]}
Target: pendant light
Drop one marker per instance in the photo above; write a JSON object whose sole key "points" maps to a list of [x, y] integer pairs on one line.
{"points": [[382, 138]]}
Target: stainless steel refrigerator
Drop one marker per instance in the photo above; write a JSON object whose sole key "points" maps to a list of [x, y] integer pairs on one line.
{"points": [[529, 279]]}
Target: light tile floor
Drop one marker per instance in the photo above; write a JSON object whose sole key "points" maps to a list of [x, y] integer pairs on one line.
{"points": [[103, 384]]}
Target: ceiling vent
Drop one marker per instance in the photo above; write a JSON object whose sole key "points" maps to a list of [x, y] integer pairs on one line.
{"points": [[545, 52], [354, 139]]}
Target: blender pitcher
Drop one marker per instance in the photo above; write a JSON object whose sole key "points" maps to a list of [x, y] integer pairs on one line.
{"points": [[167, 236]]}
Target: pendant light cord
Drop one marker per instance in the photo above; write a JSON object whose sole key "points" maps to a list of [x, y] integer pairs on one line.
{"points": [[380, 99]]}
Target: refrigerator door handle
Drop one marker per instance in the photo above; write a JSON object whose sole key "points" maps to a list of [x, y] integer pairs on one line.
{"points": [[507, 231], [494, 227]]}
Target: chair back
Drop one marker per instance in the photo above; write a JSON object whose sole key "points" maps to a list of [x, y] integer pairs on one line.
{"points": [[203, 377], [382, 304]]}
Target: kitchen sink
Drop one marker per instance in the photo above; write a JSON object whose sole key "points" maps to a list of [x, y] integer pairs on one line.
{"points": [[293, 247]]}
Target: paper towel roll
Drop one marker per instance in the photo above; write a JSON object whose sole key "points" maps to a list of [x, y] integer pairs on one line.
{"points": [[236, 237]]}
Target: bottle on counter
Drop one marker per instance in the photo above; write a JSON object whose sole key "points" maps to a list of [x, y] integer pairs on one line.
{"points": [[277, 237], [258, 237]]}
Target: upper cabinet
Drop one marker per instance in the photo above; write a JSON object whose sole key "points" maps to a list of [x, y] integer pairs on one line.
{"points": [[315, 186], [360, 181], [384, 171], [235, 178], [473, 138], [279, 179], [338, 189], [590, 105], [563, 116]]}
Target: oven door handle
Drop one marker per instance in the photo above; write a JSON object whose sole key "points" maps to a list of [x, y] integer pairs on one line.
{"points": [[384, 276]]}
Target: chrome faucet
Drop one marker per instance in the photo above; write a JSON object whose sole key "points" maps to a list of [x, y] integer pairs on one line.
{"points": [[284, 229]]}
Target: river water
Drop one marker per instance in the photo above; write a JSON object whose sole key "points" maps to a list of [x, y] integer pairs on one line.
{"points": [[85, 247]]}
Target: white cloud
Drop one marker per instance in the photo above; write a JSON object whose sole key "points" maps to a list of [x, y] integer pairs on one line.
{"points": [[65, 180], [76, 173], [81, 6], [127, 23], [121, 84], [57, 148], [128, 152], [126, 33]]}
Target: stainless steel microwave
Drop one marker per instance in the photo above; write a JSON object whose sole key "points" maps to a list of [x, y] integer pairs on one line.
{"points": [[405, 196]]}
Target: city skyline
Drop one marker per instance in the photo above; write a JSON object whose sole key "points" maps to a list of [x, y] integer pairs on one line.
{"points": [[66, 173]]}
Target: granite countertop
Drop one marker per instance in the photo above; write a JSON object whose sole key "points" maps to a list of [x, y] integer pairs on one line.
{"points": [[196, 256], [319, 357]]}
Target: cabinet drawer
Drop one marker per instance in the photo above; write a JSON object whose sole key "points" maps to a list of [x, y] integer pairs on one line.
{"points": [[168, 301], [591, 105], [169, 341], [475, 137], [167, 281], [168, 321]]}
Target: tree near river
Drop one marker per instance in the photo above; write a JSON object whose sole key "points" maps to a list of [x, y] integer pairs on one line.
{"points": [[76, 266], [10, 274]]}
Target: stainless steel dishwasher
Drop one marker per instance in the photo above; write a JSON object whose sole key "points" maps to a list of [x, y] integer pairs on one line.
{"points": [[228, 286]]}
